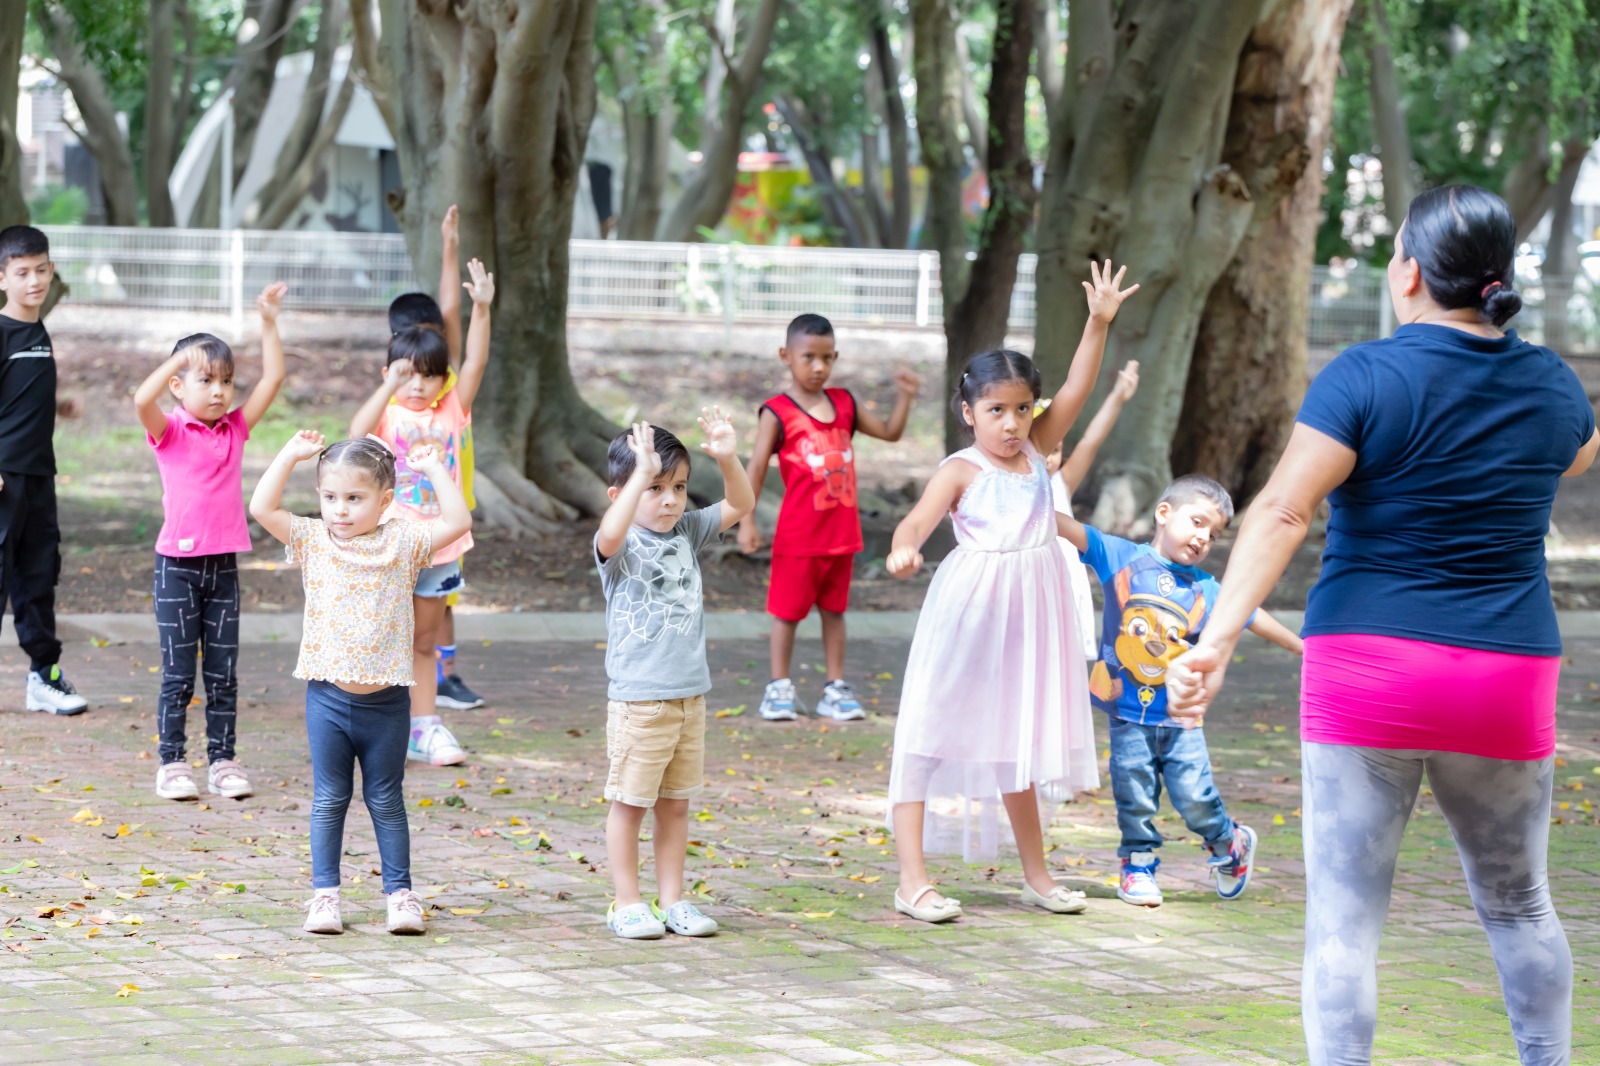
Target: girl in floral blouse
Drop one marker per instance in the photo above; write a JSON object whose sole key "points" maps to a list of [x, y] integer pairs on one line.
{"points": [[355, 648]]}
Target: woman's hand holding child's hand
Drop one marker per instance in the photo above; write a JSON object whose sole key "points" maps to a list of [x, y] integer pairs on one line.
{"points": [[307, 444], [1106, 294], [903, 562], [721, 441], [646, 460], [481, 287], [270, 302]]}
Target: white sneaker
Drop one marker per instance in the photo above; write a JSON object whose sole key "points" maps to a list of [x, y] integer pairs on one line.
{"points": [[53, 693], [175, 782], [634, 922], [226, 778], [405, 913], [437, 746], [322, 914], [839, 702], [779, 703], [684, 918]]}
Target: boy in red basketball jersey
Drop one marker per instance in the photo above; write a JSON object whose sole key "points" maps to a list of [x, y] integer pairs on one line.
{"points": [[810, 428]]}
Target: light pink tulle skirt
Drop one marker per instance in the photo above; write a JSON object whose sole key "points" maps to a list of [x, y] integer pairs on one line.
{"points": [[996, 697]]}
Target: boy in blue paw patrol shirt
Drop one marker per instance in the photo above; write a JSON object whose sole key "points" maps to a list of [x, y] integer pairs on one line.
{"points": [[1156, 602]]}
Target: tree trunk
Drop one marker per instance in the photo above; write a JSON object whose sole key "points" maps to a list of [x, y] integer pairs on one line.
{"points": [[898, 233], [877, 207], [183, 108], [835, 201], [1528, 190], [1389, 120], [705, 197], [254, 77], [934, 64], [492, 113], [1560, 262], [13, 22], [102, 135], [1248, 371], [159, 113], [1047, 43], [971, 117], [1145, 186], [978, 322], [647, 117], [310, 136]]}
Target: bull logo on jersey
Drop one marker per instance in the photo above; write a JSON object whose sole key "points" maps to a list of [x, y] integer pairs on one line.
{"points": [[1154, 631], [832, 465]]}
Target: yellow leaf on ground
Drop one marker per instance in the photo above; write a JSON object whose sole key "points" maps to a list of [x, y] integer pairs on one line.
{"points": [[1277, 819], [123, 830], [83, 815], [126, 990], [126, 699], [817, 915], [467, 910]]}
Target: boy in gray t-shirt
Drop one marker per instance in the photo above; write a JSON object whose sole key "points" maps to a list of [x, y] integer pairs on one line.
{"points": [[647, 551]]}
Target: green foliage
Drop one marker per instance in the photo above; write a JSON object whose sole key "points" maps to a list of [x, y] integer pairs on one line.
{"points": [[57, 205]]}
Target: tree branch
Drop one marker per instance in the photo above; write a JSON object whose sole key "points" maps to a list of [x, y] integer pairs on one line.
{"points": [[292, 187], [101, 133], [368, 61]]}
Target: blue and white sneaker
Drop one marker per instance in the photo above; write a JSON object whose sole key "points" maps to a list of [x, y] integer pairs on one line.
{"points": [[779, 703], [1138, 885], [1233, 869], [683, 918], [839, 702], [634, 922]]}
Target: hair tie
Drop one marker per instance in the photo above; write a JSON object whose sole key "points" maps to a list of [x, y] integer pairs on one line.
{"points": [[1487, 289], [381, 442]]}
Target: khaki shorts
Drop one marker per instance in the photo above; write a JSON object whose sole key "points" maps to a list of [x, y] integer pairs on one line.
{"points": [[657, 750]]}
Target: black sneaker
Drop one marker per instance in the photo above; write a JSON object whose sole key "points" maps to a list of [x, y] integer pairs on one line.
{"points": [[455, 695]]}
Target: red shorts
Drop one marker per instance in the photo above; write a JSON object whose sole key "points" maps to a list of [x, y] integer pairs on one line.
{"points": [[801, 582]]}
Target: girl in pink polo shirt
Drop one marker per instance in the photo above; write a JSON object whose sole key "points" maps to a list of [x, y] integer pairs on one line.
{"points": [[199, 450], [423, 402]]}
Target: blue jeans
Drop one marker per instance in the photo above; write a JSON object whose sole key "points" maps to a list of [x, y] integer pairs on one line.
{"points": [[344, 729], [1145, 756]]}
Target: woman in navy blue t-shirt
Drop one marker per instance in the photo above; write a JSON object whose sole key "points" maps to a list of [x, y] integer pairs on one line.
{"points": [[1431, 641]]}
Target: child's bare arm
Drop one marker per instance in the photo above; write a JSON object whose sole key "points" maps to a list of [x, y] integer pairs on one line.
{"points": [[906, 383], [151, 388], [269, 303], [1077, 465], [450, 281], [1269, 628], [1073, 530], [614, 524], [266, 504], [476, 359], [767, 429], [1105, 297], [455, 519], [722, 444], [943, 491], [370, 415]]}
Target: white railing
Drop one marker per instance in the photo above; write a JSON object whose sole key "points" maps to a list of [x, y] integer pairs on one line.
{"points": [[223, 270]]}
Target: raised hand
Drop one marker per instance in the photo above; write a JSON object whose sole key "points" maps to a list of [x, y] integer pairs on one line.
{"points": [[270, 302], [903, 562], [721, 440], [399, 372], [642, 443], [1127, 382], [907, 380], [450, 227], [307, 444], [481, 287], [1106, 293], [424, 457]]}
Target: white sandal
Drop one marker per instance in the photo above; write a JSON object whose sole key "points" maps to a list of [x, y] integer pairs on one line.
{"points": [[1059, 900], [942, 911]]}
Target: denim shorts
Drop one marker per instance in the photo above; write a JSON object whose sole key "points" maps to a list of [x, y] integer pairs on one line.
{"points": [[437, 581]]}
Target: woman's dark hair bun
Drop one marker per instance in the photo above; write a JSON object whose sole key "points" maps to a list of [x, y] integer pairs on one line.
{"points": [[1464, 239]]}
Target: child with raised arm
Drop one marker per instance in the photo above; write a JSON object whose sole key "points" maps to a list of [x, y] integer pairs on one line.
{"points": [[30, 537], [809, 428], [995, 705], [1066, 476], [423, 402], [444, 314], [1157, 601], [647, 552], [199, 449], [356, 647]]}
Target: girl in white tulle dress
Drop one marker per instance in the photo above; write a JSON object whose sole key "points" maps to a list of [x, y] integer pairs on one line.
{"points": [[995, 707]]}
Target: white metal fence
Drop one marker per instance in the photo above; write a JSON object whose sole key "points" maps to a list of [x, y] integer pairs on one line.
{"points": [[223, 270]]}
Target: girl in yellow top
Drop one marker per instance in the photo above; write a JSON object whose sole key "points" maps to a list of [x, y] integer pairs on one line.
{"points": [[422, 402], [355, 649]]}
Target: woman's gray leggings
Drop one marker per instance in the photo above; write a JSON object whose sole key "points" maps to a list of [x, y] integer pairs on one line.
{"points": [[1355, 807]]}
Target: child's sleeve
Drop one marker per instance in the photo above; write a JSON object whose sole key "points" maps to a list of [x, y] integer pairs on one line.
{"points": [[300, 531], [421, 544], [1106, 554], [166, 437], [704, 526]]}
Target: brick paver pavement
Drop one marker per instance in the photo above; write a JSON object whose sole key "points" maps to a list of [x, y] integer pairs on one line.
{"points": [[104, 887]]}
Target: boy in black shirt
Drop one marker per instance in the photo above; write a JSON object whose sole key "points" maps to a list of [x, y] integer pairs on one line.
{"points": [[30, 539]]}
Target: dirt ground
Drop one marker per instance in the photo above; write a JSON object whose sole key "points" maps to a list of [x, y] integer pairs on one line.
{"points": [[111, 497]]}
